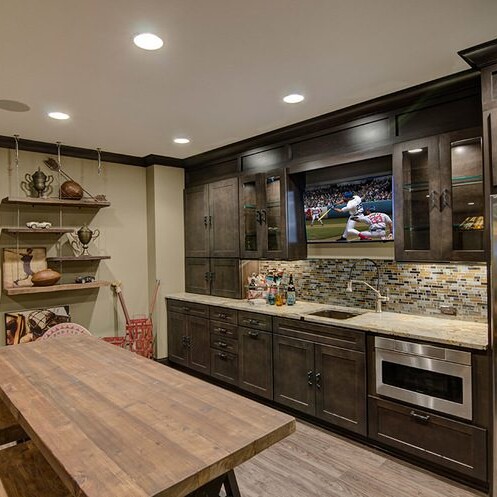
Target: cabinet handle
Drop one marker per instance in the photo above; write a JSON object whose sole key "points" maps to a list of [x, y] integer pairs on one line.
{"points": [[222, 356], [206, 221], [318, 380], [419, 417], [263, 216], [221, 315], [309, 378], [210, 220], [253, 334], [253, 322], [444, 200], [223, 345], [221, 330], [434, 203], [186, 341], [258, 217], [186, 309], [207, 276]]}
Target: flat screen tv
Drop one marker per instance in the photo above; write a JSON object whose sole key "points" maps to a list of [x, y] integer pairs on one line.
{"points": [[352, 203]]}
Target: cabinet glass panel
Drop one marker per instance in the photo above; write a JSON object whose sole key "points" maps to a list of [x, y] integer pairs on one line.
{"points": [[250, 214], [273, 212], [467, 194], [416, 199]]}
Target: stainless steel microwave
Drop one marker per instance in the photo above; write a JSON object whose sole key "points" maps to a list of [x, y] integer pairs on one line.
{"points": [[423, 375]]}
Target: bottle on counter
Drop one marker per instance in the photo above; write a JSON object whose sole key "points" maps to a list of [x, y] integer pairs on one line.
{"points": [[290, 293]]}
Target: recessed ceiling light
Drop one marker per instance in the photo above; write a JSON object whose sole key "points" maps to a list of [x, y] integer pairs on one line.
{"points": [[61, 116], [182, 140], [148, 41], [415, 150], [471, 203], [294, 98]]}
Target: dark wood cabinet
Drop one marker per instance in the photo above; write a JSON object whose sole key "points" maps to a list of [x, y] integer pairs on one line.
{"points": [[272, 224], [188, 338], [439, 198], [455, 445], [322, 375], [256, 362], [211, 220], [219, 277]]}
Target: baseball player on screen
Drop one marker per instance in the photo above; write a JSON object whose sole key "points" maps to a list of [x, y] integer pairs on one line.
{"points": [[356, 214], [378, 222], [316, 215]]}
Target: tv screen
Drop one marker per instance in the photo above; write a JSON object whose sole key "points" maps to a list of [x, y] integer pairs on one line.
{"points": [[354, 209]]}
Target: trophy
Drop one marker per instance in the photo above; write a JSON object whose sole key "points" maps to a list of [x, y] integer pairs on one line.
{"points": [[37, 182], [82, 239]]}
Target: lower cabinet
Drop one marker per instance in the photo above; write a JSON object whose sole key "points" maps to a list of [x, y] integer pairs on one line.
{"points": [[256, 362], [453, 444], [320, 379]]}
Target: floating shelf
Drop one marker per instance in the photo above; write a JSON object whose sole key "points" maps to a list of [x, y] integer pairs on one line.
{"points": [[55, 202], [55, 288], [75, 258], [48, 231]]}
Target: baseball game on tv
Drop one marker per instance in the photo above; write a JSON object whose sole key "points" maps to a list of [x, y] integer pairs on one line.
{"points": [[350, 209]]}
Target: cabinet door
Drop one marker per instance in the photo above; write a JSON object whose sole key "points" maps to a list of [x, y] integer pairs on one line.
{"points": [[224, 366], [255, 349], [199, 344], [294, 373], [341, 387], [197, 222], [251, 233], [225, 278], [177, 346], [417, 200], [274, 215], [197, 275], [462, 200], [223, 220]]}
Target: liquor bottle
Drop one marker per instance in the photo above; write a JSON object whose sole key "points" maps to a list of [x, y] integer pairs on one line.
{"points": [[290, 293]]}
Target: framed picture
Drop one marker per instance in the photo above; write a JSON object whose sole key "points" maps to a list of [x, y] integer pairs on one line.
{"points": [[19, 265], [28, 326]]}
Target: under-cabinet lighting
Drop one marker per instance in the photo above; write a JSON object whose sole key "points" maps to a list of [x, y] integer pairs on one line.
{"points": [[148, 41], [61, 116], [294, 98]]}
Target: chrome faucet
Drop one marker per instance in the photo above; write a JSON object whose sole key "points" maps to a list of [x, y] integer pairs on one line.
{"points": [[379, 297]]}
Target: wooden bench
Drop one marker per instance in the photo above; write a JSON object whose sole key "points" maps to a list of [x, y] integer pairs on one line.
{"points": [[10, 431], [24, 472]]}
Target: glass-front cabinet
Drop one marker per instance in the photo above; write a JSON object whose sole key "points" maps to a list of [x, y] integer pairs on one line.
{"points": [[439, 198], [262, 211]]}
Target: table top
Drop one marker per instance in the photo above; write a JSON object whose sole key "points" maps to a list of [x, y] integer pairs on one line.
{"points": [[116, 424]]}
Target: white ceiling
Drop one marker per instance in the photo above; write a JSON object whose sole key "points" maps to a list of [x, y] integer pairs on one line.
{"points": [[224, 67]]}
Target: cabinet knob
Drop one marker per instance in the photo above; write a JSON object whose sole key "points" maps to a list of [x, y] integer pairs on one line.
{"points": [[223, 356], [253, 334]]}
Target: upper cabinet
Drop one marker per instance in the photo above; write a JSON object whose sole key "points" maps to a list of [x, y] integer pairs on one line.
{"points": [[271, 216], [211, 220], [439, 198]]}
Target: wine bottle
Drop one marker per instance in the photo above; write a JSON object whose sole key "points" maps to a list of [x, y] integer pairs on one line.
{"points": [[290, 293]]}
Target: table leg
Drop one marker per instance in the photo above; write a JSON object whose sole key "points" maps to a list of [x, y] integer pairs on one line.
{"points": [[213, 488]]}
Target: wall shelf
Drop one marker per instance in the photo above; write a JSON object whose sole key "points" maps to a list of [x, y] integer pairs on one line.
{"points": [[47, 231], [55, 202], [75, 258], [55, 288]]}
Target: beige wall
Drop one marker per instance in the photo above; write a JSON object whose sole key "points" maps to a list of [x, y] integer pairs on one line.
{"points": [[126, 230]]}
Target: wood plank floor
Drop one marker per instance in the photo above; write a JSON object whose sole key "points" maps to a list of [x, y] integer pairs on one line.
{"points": [[316, 463]]}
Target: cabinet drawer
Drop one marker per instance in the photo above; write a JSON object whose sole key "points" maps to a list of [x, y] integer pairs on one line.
{"points": [[224, 366], [223, 314], [224, 344], [324, 334], [458, 446], [190, 308], [223, 329], [255, 320]]}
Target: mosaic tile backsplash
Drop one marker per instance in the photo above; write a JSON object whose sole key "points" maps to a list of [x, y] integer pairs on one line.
{"points": [[413, 288]]}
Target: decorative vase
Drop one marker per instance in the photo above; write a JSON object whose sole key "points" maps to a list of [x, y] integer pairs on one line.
{"points": [[71, 190], [46, 277]]}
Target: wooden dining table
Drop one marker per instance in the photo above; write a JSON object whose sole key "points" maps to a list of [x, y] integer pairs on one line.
{"points": [[114, 424]]}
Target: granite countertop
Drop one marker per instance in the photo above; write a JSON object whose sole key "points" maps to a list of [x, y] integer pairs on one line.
{"points": [[467, 334]]}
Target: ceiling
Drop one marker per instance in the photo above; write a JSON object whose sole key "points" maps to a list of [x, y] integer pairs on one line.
{"points": [[224, 67]]}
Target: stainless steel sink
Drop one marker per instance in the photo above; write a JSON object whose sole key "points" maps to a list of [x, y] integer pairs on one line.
{"points": [[329, 313]]}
